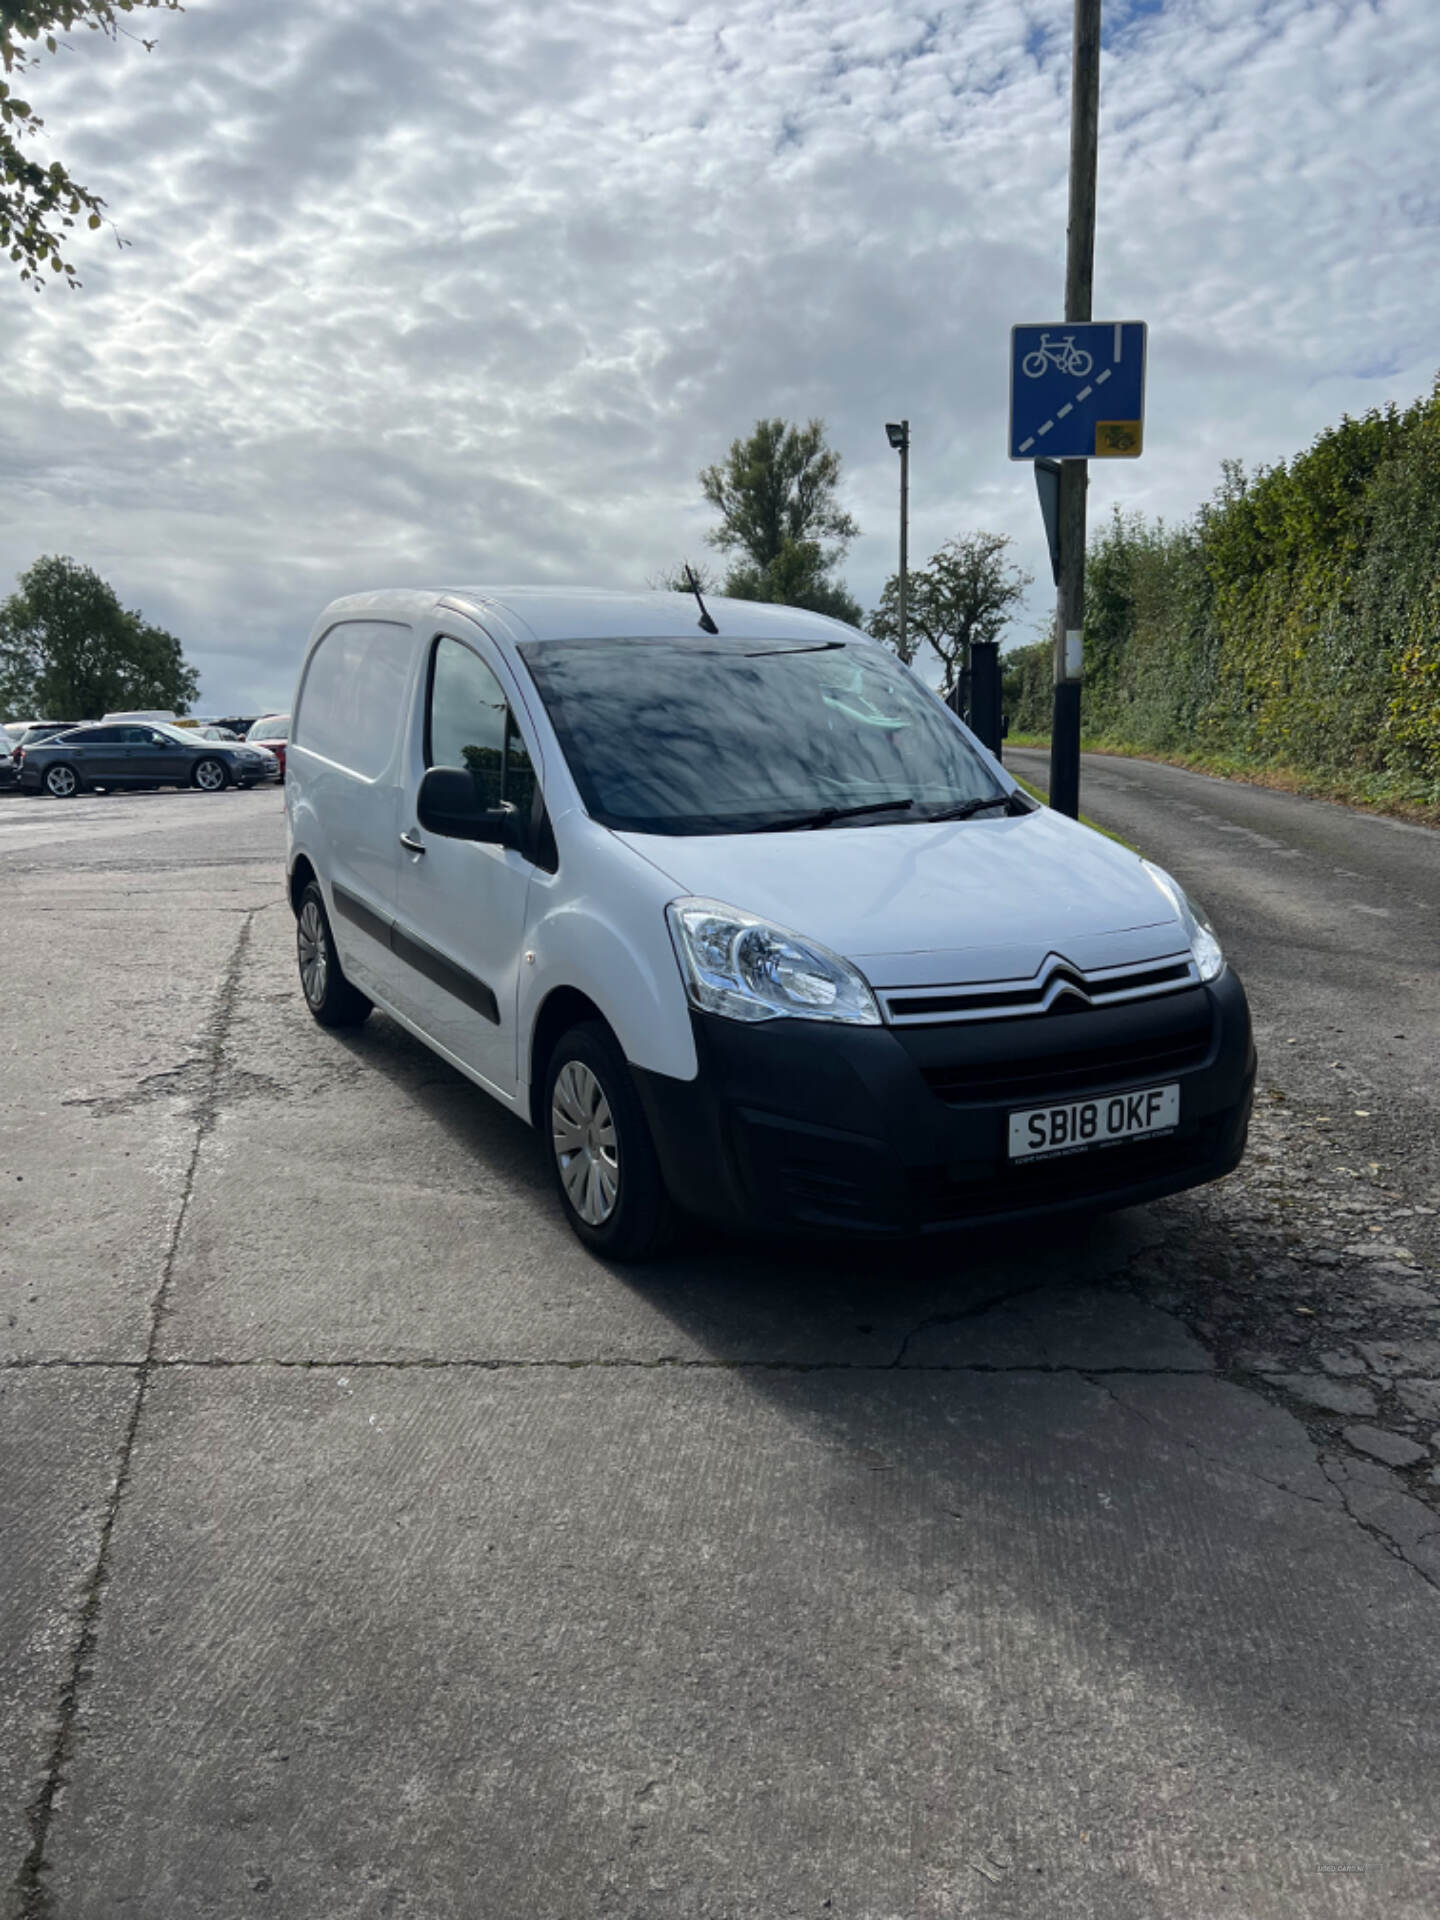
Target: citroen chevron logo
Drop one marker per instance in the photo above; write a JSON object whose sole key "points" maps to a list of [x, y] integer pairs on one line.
{"points": [[1059, 980]]}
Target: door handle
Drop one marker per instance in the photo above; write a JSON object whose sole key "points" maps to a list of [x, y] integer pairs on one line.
{"points": [[412, 842]]}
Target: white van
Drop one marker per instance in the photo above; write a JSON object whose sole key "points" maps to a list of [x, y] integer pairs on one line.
{"points": [[745, 922]]}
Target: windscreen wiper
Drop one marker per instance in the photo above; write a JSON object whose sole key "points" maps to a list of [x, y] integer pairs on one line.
{"points": [[826, 815], [768, 653], [971, 807]]}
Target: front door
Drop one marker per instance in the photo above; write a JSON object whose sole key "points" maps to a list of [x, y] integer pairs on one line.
{"points": [[461, 905], [156, 757]]}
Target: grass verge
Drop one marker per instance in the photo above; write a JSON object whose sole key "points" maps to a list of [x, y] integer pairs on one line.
{"points": [[1085, 820]]}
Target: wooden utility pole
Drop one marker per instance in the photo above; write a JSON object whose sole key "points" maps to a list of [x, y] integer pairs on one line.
{"points": [[1074, 474]]}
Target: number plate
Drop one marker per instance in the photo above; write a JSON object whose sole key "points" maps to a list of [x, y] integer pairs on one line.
{"points": [[1075, 1125]]}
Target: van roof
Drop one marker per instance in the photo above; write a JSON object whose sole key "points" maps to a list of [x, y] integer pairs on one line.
{"points": [[592, 613]]}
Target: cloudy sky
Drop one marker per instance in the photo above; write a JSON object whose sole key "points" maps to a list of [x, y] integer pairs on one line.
{"points": [[432, 291]]}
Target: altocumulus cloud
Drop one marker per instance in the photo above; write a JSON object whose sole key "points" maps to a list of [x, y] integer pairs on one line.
{"points": [[424, 292]]}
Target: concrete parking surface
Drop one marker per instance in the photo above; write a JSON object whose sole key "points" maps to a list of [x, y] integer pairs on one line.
{"points": [[370, 1550]]}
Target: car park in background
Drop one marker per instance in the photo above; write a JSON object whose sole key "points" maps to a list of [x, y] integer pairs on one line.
{"points": [[29, 733], [9, 772], [136, 756], [272, 731]]}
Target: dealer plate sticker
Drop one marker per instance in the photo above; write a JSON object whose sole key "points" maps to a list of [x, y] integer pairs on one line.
{"points": [[1078, 1124]]}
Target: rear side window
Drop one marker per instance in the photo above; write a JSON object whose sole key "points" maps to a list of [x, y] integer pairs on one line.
{"points": [[354, 694]]}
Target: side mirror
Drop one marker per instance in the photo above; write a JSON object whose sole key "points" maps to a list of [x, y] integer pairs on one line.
{"points": [[448, 805]]}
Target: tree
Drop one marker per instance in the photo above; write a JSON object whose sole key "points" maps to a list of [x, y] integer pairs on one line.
{"points": [[796, 577], [70, 650], [781, 519], [40, 204], [964, 594], [676, 579]]}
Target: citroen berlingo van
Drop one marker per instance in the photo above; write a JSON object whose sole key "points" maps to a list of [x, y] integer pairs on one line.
{"points": [[736, 913]]}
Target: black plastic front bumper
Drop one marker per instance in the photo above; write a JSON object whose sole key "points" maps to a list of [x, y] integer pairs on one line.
{"points": [[816, 1127]]}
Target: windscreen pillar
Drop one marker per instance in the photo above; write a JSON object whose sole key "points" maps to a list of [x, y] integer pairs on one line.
{"points": [[985, 715]]}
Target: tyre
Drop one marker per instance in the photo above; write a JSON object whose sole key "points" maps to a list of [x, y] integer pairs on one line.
{"points": [[606, 1171], [211, 776], [328, 994], [61, 780], [1034, 364], [1080, 363]]}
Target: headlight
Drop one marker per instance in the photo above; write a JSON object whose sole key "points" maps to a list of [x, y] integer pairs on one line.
{"points": [[747, 969], [1204, 947]]}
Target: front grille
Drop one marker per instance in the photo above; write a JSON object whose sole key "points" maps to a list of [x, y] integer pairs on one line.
{"points": [[1057, 1075], [1055, 985]]}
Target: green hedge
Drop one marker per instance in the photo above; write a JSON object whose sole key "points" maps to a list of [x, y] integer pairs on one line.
{"points": [[1295, 621]]}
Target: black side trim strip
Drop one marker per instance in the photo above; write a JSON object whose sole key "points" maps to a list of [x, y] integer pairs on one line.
{"points": [[446, 974], [349, 908], [416, 954]]}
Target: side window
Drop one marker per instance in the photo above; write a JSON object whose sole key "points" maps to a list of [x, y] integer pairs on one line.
{"points": [[470, 725], [354, 695]]}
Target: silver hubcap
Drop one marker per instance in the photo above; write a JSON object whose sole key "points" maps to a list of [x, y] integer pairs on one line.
{"points": [[61, 781], [209, 776], [583, 1129], [314, 960]]}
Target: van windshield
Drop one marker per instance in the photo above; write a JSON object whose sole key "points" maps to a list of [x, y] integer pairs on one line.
{"points": [[719, 735]]}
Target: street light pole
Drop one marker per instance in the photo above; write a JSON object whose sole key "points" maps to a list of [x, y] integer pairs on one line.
{"points": [[1074, 474], [898, 432]]}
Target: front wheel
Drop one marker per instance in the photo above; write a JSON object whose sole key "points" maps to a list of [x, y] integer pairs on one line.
{"points": [[1034, 364], [210, 776], [600, 1147], [61, 781], [328, 994]]}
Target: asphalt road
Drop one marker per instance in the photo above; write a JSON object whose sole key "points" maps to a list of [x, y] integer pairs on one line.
{"points": [[1332, 918], [369, 1550]]}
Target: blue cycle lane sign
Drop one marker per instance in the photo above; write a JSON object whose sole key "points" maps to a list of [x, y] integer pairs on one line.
{"points": [[1077, 390]]}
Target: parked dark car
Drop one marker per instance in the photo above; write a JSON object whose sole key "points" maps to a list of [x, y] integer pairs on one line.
{"points": [[25, 734], [273, 731], [35, 731], [113, 755]]}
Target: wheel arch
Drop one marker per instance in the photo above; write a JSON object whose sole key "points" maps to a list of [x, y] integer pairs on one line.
{"points": [[562, 1008], [301, 874]]}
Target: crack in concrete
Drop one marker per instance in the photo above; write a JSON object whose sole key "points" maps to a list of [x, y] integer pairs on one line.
{"points": [[33, 1895], [1376, 1532], [931, 1321], [194, 1079], [1101, 1375]]}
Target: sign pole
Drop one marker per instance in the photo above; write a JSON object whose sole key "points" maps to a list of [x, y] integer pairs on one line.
{"points": [[904, 533], [1074, 474]]}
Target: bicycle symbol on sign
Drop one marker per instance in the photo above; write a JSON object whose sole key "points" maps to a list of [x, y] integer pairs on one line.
{"points": [[1063, 355]]}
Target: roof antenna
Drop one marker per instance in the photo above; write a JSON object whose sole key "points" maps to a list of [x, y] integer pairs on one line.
{"points": [[706, 624]]}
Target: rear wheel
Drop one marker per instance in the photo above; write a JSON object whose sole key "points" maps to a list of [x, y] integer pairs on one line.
{"points": [[328, 994], [600, 1146], [61, 780], [211, 776]]}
